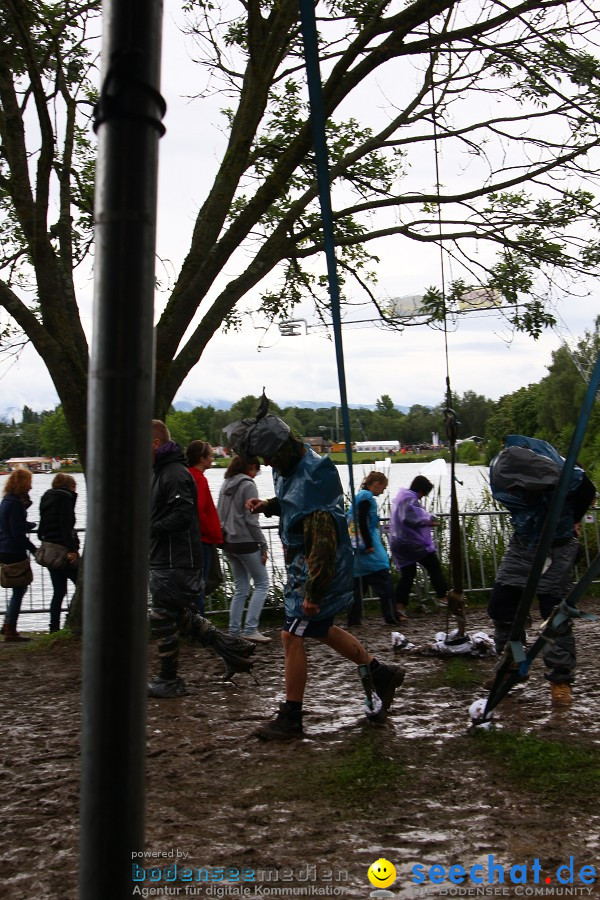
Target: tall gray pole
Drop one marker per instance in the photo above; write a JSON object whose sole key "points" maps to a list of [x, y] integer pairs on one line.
{"points": [[128, 124]]}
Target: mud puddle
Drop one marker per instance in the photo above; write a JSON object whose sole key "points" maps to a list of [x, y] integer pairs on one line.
{"points": [[415, 791]]}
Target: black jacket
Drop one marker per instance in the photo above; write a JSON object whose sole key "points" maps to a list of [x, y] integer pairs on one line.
{"points": [[174, 526], [14, 529], [57, 518]]}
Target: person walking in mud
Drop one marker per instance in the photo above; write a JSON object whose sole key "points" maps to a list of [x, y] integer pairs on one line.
{"points": [[371, 561], [523, 478], [176, 571], [319, 563], [411, 541]]}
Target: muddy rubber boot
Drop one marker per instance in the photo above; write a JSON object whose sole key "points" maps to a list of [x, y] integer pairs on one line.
{"points": [[11, 634], [166, 688], [285, 726], [385, 680]]}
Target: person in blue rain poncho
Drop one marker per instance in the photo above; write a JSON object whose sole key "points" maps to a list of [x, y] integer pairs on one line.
{"points": [[319, 563]]}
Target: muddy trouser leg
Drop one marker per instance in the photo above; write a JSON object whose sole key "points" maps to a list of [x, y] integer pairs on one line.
{"points": [[559, 655], [234, 651], [433, 567], [163, 626], [164, 616], [174, 593], [381, 582], [502, 609], [405, 583], [174, 611]]}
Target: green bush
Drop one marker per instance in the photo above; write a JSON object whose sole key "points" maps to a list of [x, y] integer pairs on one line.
{"points": [[469, 452]]}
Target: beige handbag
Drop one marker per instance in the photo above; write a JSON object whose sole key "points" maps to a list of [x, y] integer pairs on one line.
{"points": [[52, 556]]}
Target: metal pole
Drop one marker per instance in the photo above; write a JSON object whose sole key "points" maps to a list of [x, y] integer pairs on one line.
{"points": [[128, 123]]}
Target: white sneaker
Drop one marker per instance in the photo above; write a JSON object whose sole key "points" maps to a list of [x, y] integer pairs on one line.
{"points": [[257, 638]]}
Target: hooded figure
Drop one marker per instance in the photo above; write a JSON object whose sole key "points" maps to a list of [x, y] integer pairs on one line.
{"points": [[523, 477], [310, 503]]}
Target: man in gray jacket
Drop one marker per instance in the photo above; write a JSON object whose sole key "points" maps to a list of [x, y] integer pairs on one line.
{"points": [[176, 571]]}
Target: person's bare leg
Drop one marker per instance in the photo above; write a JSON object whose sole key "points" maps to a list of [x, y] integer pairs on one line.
{"points": [[296, 666], [346, 645]]}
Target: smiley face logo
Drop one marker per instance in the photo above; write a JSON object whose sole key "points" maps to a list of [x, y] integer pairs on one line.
{"points": [[382, 873]]}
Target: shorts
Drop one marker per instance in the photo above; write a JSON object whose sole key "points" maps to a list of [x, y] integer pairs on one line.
{"points": [[312, 628]]}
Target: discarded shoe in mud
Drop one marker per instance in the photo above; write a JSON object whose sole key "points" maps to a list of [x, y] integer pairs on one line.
{"points": [[480, 720], [285, 726], [401, 642], [166, 688]]}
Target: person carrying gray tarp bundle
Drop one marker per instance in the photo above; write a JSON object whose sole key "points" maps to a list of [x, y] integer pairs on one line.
{"points": [[176, 571], [523, 478], [319, 561]]}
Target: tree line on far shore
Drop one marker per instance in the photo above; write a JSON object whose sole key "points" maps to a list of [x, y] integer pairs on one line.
{"points": [[547, 409]]}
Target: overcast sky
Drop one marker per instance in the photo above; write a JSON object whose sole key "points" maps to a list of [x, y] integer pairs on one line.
{"points": [[409, 366]]}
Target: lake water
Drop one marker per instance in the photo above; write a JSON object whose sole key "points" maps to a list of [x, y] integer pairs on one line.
{"points": [[472, 482]]}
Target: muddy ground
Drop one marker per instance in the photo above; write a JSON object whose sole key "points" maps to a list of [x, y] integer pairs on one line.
{"points": [[317, 813]]}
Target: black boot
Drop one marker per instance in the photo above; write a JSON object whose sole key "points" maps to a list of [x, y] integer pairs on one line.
{"points": [[385, 681], [166, 688], [285, 726]]}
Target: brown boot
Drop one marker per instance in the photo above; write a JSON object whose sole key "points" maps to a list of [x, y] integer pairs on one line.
{"points": [[561, 694], [11, 634]]}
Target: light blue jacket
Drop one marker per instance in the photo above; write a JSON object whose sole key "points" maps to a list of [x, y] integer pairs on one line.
{"points": [[367, 563]]}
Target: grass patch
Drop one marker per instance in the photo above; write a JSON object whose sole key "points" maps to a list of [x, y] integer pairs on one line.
{"points": [[545, 766], [457, 673], [58, 638], [357, 776]]}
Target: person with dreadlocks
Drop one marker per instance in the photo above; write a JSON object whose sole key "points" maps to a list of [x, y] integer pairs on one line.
{"points": [[176, 571], [319, 562]]}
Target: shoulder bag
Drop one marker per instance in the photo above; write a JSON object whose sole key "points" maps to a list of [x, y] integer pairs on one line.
{"points": [[52, 556], [16, 574]]}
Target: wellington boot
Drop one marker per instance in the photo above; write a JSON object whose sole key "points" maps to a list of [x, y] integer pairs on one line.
{"points": [[166, 688]]}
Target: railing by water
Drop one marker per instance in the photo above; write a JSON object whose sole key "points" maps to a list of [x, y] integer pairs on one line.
{"points": [[484, 535]]}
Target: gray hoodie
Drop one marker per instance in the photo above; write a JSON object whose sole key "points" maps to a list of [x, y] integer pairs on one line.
{"points": [[240, 526]]}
